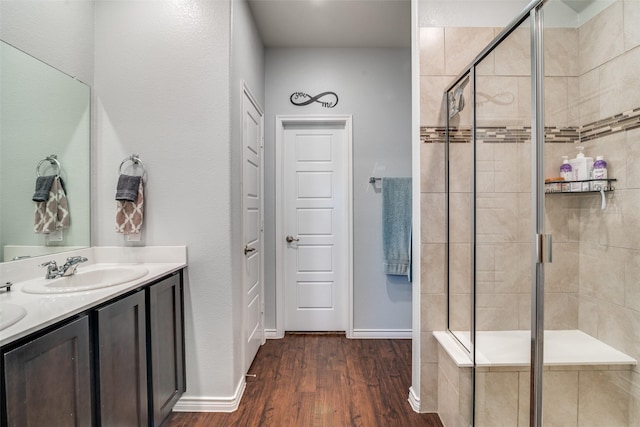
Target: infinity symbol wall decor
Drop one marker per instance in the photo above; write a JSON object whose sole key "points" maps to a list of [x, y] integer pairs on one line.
{"points": [[326, 99]]}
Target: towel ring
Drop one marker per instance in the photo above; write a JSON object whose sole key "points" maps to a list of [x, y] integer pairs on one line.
{"points": [[53, 160], [136, 161]]}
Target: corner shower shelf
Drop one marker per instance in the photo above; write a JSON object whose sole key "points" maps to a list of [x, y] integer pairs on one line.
{"points": [[583, 186]]}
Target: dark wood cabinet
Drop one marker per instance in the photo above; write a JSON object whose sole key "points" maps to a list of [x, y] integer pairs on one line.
{"points": [[166, 347], [117, 364], [48, 379], [121, 363]]}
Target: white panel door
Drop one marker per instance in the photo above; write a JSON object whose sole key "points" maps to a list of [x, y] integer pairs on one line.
{"points": [[252, 230], [315, 226]]}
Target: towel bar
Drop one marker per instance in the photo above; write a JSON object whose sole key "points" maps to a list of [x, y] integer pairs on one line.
{"points": [[135, 159], [373, 179], [53, 159]]}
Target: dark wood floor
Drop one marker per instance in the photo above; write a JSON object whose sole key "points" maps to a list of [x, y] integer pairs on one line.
{"points": [[323, 380]]}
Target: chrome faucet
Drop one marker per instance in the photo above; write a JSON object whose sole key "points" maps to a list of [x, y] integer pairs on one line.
{"points": [[52, 269], [71, 265], [68, 269]]}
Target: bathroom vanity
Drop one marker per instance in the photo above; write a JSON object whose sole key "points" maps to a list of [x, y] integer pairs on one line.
{"points": [[112, 356]]}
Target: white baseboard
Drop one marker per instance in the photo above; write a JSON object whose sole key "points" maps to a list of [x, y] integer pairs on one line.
{"points": [[358, 334], [414, 400], [272, 334], [381, 334], [211, 404]]}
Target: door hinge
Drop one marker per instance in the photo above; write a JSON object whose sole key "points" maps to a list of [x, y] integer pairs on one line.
{"points": [[544, 243], [262, 142]]}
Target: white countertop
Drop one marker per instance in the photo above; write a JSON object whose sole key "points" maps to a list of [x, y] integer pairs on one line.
{"points": [[44, 310]]}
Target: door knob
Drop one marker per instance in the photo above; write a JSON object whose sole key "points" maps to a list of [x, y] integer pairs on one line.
{"points": [[248, 250], [290, 239]]}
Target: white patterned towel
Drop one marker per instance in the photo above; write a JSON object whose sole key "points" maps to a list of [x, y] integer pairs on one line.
{"points": [[53, 214], [129, 215]]}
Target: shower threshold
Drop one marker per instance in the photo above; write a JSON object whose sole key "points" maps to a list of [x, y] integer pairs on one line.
{"points": [[512, 348]]}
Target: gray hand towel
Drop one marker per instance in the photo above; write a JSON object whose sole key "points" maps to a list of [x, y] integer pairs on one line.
{"points": [[43, 187], [127, 189]]}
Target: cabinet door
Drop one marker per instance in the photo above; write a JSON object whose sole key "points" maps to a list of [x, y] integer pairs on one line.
{"points": [[48, 380], [122, 363], [167, 346]]}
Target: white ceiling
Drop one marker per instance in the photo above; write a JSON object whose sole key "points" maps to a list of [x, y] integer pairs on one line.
{"points": [[333, 23]]}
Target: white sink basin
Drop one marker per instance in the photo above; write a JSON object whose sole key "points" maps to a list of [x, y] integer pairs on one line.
{"points": [[10, 314], [91, 278]]}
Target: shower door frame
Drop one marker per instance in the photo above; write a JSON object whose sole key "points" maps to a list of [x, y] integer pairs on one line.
{"points": [[541, 243], [469, 347], [539, 255]]}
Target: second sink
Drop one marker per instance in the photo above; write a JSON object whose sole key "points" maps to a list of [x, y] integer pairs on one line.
{"points": [[10, 314], [93, 277]]}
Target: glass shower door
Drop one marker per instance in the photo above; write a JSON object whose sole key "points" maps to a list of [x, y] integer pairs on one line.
{"points": [[591, 312], [554, 339], [502, 231]]}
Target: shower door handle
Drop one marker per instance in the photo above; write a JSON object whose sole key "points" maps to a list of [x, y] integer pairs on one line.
{"points": [[544, 248]]}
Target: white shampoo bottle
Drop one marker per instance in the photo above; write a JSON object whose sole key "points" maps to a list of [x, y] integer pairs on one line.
{"points": [[582, 169]]}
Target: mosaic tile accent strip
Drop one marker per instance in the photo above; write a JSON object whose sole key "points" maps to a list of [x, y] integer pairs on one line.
{"points": [[438, 135], [510, 135], [494, 135], [619, 123], [568, 135]]}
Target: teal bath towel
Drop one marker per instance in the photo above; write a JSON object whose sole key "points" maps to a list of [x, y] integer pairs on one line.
{"points": [[396, 226]]}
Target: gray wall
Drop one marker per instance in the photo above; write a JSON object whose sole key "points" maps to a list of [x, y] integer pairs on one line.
{"points": [[162, 91], [167, 85], [59, 33], [373, 85]]}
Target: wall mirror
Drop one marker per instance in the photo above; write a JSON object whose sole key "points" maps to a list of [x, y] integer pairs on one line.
{"points": [[43, 112]]}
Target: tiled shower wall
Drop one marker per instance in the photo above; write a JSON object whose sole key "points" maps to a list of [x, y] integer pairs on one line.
{"points": [[594, 282], [609, 264]]}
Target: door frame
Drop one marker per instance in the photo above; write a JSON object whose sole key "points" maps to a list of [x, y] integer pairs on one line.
{"points": [[246, 92], [281, 122]]}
